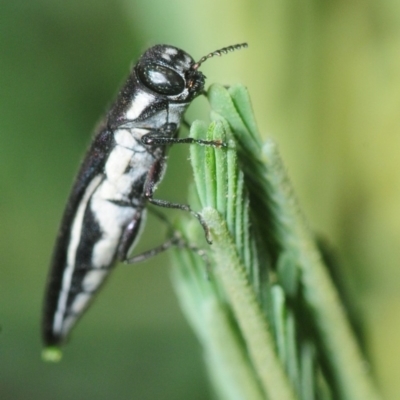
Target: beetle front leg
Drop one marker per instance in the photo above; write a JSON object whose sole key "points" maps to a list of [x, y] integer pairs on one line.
{"points": [[155, 138]]}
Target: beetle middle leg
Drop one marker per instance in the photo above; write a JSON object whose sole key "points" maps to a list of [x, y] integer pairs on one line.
{"points": [[153, 177]]}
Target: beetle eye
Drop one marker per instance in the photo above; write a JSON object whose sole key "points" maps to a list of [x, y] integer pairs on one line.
{"points": [[160, 79]]}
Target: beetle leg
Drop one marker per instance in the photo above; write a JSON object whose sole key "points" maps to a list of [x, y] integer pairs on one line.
{"points": [[129, 236], [154, 176], [154, 138]]}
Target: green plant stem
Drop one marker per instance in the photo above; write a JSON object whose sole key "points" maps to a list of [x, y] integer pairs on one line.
{"points": [[343, 353], [244, 303], [228, 364]]}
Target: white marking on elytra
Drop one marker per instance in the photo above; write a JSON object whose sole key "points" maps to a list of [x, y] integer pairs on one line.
{"points": [[112, 218], [80, 301], [93, 279], [71, 254], [79, 304], [138, 104], [68, 323]]}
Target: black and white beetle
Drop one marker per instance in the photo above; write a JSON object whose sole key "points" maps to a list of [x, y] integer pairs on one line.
{"points": [[118, 176]]}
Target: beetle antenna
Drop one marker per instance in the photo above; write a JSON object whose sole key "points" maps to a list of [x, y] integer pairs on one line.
{"points": [[219, 52]]}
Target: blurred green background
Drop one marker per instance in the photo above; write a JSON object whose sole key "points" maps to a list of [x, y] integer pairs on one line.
{"points": [[325, 83]]}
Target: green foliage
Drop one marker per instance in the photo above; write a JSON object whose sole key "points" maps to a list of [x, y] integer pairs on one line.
{"points": [[269, 318]]}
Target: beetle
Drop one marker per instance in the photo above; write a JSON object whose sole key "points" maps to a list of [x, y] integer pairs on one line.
{"points": [[117, 178]]}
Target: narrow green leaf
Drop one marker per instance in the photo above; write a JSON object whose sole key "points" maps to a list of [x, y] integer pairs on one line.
{"points": [[248, 313], [241, 100], [232, 181], [199, 131], [343, 353], [307, 371], [205, 306], [292, 362], [219, 133], [278, 309], [223, 105]]}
